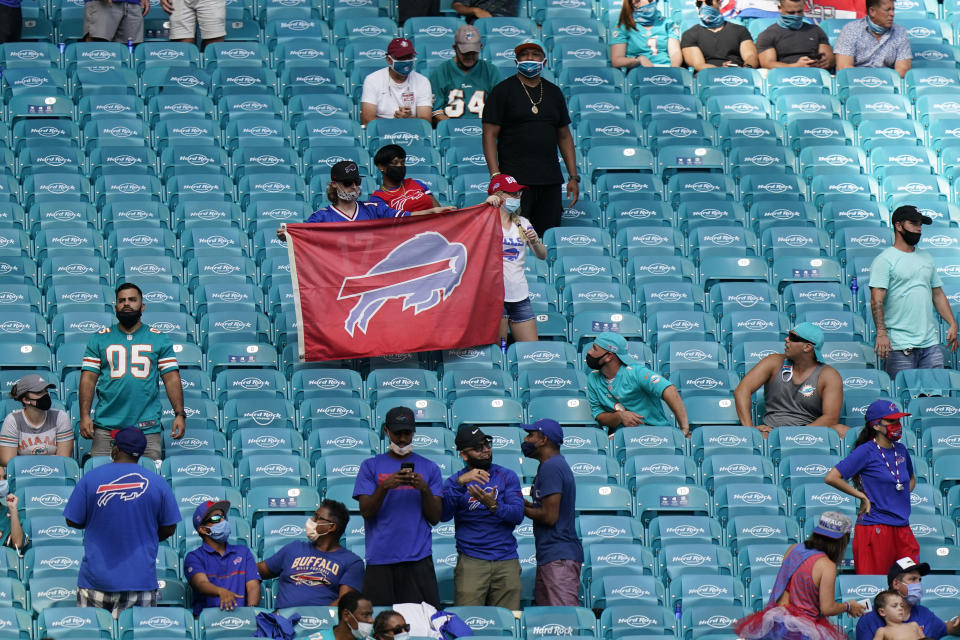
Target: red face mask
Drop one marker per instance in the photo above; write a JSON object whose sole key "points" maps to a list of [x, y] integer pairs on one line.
{"points": [[894, 431]]}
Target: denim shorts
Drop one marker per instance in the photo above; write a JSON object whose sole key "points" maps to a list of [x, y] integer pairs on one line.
{"points": [[518, 311]]}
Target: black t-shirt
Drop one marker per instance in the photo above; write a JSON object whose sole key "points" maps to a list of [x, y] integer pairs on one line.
{"points": [[717, 47], [792, 45], [527, 146]]}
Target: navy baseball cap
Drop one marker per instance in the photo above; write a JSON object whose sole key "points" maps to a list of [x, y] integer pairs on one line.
{"points": [[400, 419], [883, 408], [129, 440], [204, 508], [550, 428]]}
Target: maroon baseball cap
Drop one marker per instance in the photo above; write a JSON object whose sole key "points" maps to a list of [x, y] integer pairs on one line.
{"points": [[400, 48], [503, 182]]}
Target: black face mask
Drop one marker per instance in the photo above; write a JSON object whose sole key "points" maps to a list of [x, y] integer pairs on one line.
{"points": [[128, 319], [593, 362], [477, 463], [43, 402], [910, 237], [396, 173]]}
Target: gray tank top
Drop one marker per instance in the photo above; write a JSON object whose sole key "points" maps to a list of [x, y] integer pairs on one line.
{"points": [[791, 404]]}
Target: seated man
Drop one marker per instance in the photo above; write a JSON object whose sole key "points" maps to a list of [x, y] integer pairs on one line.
{"points": [[904, 578], [717, 43], [875, 41], [798, 389], [355, 617], [315, 571], [396, 91], [221, 575], [625, 393], [791, 42]]}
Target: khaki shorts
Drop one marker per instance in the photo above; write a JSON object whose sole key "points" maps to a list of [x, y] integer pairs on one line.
{"points": [[101, 444], [211, 15], [113, 21]]}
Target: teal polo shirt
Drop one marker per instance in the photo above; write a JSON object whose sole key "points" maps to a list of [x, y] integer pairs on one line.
{"points": [[637, 388]]}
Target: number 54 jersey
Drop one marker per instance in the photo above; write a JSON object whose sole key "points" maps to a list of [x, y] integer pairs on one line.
{"points": [[462, 94], [129, 366]]}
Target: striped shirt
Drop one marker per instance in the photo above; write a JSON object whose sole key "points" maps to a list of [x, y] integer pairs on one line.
{"points": [[129, 367]]}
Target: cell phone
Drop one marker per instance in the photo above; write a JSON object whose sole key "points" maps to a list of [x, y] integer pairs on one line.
{"points": [[867, 604], [406, 465], [819, 56]]}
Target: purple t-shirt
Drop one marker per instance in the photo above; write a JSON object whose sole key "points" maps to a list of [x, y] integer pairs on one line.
{"points": [[309, 576], [878, 469], [399, 532]]}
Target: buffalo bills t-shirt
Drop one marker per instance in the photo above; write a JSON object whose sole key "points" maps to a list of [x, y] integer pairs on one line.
{"points": [[412, 195], [399, 532], [559, 542], [878, 470], [121, 506], [308, 576], [372, 210]]}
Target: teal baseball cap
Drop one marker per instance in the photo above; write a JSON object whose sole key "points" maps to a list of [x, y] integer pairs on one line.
{"points": [[530, 42], [812, 334], [616, 344]]}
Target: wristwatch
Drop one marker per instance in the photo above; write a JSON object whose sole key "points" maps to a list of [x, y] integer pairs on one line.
{"points": [[575, 178], [179, 413]]}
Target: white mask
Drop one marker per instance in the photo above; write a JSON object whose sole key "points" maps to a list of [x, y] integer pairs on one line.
{"points": [[401, 451], [311, 530], [401, 636], [363, 630]]}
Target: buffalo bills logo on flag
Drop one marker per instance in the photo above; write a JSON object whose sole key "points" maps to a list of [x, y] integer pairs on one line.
{"points": [[397, 285], [127, 487], [422, 272]]}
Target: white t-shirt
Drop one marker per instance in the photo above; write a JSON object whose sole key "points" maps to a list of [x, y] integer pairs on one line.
{"points": [[515, 287], [380, 89], [33, 440]]}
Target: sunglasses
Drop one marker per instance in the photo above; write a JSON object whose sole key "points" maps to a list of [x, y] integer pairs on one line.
{"points": [[403, 628], [792, 337], [214, 519], [350, 183]]}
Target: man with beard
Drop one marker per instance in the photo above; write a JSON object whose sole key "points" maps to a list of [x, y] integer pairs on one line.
{"points": [[625, 393], [133, 355], [400, 499], [485, 502], [903, 281], [461, 85]]}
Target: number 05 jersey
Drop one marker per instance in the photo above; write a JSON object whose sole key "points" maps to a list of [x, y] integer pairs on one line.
{"points": [[129, 366]]}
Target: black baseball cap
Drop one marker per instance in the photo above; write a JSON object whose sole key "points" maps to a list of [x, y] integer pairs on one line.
{"points": [[400, 419], [345, 170], [471, 437], [909, 213], [904, 565]]}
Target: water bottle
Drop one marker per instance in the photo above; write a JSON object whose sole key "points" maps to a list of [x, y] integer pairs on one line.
{"points": [[130, 46], [678, 611], [854, 287], [61, 46], [503, 345]]}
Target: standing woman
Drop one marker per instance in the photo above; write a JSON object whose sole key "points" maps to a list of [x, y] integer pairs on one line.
{"points": [[882, 474], [518, 234], [644, 38], [803, 593]]}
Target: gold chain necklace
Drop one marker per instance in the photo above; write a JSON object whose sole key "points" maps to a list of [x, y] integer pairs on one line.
{"points": [[533, 105]]}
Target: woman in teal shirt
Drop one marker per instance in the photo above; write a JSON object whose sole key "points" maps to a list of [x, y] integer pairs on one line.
{"points": [[644, 37]]}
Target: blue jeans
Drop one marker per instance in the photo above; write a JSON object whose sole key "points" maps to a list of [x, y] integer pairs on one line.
{"points": [[925, 358]]}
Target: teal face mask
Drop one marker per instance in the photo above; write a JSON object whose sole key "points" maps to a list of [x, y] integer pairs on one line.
{"points": [[403, 67], [791, 21], [647, 14]]}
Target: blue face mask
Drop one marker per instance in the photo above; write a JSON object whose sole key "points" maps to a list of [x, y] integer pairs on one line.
{"points": [[530, 68], [511, 204], [647, 14], [710, 17], [914, 593], [875, 28], [220, 531], [402, 67], [4, 489], [791, 21]]}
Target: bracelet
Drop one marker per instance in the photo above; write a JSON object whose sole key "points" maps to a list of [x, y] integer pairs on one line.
{"points": [[846, 606], [494, 175]]}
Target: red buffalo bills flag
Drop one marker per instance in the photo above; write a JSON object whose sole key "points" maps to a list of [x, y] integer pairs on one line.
{"points": [[397, 285]]}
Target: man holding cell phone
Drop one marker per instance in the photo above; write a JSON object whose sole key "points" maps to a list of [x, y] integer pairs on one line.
{"points": [[400, 496]]}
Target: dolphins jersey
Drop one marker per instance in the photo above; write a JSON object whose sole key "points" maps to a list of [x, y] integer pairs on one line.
{"points": [[129, 366]]}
